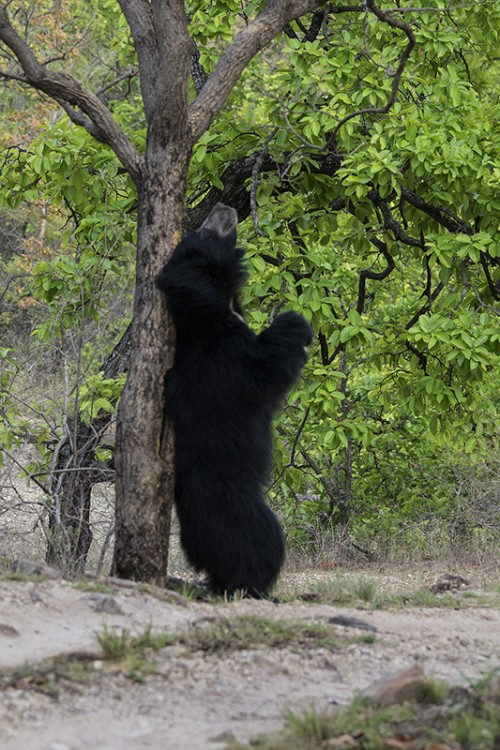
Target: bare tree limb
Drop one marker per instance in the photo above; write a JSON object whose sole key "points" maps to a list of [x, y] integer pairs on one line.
{"points": [[126, 75], [140, 20], [430, 297], [493, 286], [441, 214], [64, 88], [171, 90], [254, 37], [366, 273], [390, 222]]}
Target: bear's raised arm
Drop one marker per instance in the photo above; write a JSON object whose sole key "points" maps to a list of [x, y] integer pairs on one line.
{"points": [[282, 351]]}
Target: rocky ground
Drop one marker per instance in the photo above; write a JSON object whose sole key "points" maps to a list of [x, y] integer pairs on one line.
{"points": [[197, 699]]}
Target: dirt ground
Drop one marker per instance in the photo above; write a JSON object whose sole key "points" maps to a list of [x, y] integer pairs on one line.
{"points": [[197, 701]]}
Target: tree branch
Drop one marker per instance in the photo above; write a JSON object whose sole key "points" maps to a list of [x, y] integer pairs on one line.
{"points": [[140, 20], [493, 286], [441, 214], [375, 275], [64, 88], [126, 75], [171, 87], [427, 304], [254, 37], [198, 73], [390, 222], [395, 23]]}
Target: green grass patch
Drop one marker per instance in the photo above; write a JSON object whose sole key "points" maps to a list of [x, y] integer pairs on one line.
{"points": [[133, 653], [363, 592], [243, 633]]}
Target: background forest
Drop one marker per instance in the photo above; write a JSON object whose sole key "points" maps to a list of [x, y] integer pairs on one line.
{"points": [[361, 152]]}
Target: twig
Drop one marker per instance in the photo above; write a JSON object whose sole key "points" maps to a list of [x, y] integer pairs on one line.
{"points": [[255, 181], [395, 23]]}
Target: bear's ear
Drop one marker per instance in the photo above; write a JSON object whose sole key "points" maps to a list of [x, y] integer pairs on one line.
{"points": [[220, 223]]}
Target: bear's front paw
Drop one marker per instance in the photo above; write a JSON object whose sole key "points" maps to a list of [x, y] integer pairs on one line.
{"points": [[295, 325]]}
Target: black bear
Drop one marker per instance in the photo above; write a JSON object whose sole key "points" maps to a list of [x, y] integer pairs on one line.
{"points": [[220, 396]]}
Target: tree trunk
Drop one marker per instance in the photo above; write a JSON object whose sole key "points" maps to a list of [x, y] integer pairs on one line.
{"points": [[69, 533], [144, 455], [343, 488], [74, 472], [343, 469]]}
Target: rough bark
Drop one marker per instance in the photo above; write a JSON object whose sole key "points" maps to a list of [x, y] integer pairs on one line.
{"points": [[144, 448]]}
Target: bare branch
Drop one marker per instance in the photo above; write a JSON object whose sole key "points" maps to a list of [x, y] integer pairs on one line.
{"points": [[64, 88], [127, 75], [366, 273], [140, 20], [175, 49], [493, 286], [255, 181], [440, 214], [390, 222], [254, 37], [430, 297]]}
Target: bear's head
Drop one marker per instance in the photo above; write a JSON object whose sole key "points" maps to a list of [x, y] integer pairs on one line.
{"points": [[206, 265]]}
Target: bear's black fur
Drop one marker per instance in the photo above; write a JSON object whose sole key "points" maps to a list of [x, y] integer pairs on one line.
{"points": [[225, 385]]}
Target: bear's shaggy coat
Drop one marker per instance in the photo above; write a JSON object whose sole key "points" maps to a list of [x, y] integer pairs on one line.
{"points": [[221, 394]]}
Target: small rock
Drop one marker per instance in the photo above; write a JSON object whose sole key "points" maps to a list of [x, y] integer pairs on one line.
{"points": [[352, 622], [104, 603], [30, 568], [449, 582], [409, 684], [8, 630]]}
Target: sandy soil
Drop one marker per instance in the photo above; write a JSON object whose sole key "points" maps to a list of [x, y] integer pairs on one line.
{"points": [[196, 701]]}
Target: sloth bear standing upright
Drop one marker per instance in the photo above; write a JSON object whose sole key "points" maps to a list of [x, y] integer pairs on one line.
{"points": [[225, 385]]}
